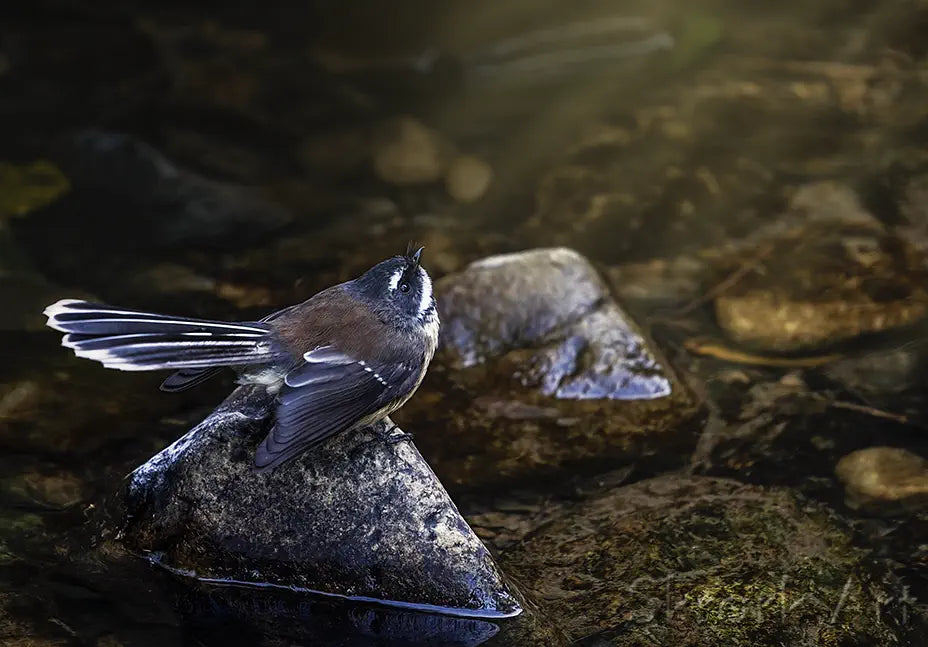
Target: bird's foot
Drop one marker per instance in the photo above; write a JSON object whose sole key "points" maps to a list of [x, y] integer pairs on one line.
{"points": [[388, 435]]}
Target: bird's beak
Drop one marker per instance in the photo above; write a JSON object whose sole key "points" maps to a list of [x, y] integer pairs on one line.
{"points": [[415, 257]]}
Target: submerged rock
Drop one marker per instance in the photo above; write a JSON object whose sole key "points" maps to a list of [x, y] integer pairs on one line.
{"points": [[554, 302], [357, 517], [707, 562], [884, 480], [813, 292], [131, 187]]}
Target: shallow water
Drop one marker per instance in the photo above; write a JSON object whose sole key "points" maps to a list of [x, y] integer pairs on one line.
{"points": [[666, 142]]}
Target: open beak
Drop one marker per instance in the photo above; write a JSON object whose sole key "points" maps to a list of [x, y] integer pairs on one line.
{"points": [[417, 255]]}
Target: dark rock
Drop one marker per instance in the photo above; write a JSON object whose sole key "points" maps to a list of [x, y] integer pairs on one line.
{"points": [[125, 186], [551, 300], [357, 517], [700, 561]]}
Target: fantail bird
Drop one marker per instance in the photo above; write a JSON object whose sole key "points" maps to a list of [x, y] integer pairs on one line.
{"points": [[345, 358]]}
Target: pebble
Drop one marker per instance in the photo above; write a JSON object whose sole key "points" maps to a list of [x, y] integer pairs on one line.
{"points": [[468, 178], [884, 480], [406, 151]]}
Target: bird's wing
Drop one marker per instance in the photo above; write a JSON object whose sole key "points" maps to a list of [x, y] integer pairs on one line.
{"points": [[326, 394]]}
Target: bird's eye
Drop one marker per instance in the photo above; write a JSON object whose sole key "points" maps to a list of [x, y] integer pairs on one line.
{"points": [[404, 287]]}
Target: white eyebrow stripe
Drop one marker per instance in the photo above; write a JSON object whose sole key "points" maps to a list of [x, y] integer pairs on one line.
{"points": [[395, 278], [425, 299]]}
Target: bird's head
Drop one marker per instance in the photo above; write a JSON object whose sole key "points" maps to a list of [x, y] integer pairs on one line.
{"points": [[400, 288]]}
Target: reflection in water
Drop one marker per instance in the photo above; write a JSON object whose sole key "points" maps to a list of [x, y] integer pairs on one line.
{"points": [[229, 616]]}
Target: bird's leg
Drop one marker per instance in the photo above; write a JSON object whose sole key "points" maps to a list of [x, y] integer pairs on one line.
{"points": [[386, 434]]}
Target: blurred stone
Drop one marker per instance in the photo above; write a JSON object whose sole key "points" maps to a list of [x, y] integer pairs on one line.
{"points": [[170, 278], [124, 186], [884, 480], [707, 563], [59, 489], [26, 188], [551, 300], [814, 291], [221, 156], [914, 203], [245, 296], [408, 152], [356, 516], [876, 373], [829, 201], [468, 178], [17, 398], [670, 281]]}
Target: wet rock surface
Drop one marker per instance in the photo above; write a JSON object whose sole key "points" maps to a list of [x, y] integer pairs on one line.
{"points": [[358, 517], [552, 300], [700, 561]]}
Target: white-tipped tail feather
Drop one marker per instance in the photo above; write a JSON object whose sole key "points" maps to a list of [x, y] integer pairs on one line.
{"points": [[129, 340]]}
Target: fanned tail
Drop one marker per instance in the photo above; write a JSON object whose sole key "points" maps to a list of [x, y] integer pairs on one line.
{"points": [[129, 340]]}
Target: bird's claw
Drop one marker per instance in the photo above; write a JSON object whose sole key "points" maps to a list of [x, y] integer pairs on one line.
{"points": [[388, 436]]}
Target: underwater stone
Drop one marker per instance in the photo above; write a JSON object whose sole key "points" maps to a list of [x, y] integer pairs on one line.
{"points": [[121, 176], [884, 480], [708, 562], [554, 302], [817, 290], [358, 517]]}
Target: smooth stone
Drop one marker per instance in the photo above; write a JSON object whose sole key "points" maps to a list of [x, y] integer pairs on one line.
{"points": [[554, 302], [357, 517], [406, 152], [884, 480], [172, 205], [706, 562], [468, 178]]}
